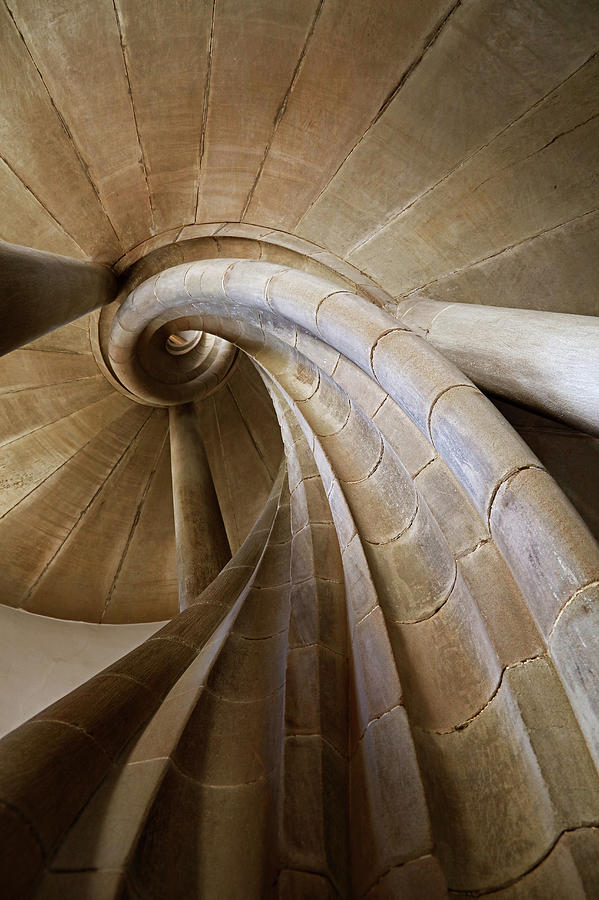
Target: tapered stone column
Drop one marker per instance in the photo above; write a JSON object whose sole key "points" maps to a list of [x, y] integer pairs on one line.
{"points": [[42, 291], [548, 361], [202, 545]]}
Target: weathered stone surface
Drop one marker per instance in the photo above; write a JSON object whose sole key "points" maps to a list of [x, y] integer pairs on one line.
{"points": [[447, 664], [302, 156], [477, 445], [167, 75], [388, 800], [79, 79], [38, 149], [526, 767], [507, 618], [244, 99], [573, 647], [443, 115], [486, 195], [555, 271], [552, 559], [411, 880], [27, 222], [109, 533]]}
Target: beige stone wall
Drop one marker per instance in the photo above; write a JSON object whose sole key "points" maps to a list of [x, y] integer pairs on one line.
{"points": [[42, 659]]}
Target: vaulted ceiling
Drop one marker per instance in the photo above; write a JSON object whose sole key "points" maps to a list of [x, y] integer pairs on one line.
{"points": [[443, 147]]}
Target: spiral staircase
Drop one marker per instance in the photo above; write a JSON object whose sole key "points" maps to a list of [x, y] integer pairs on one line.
{"points": [[298, 450]]}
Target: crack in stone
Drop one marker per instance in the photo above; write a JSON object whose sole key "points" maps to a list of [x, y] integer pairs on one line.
{"points": [[372, 721], [506, 884], [400, 865], [206, 104], [570, 600], [427, 44], [461, 164], [461, 726], [477, 262], [85, 509], [142, 160], [469, 550], [425, 466], [437, 398], [504, 481]]}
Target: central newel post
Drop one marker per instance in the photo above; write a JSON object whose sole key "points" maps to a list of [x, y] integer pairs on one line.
{"points": [[202, 545]]}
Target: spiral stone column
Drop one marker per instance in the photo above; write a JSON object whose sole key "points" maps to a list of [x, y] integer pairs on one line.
{"points": [[375, 695]]}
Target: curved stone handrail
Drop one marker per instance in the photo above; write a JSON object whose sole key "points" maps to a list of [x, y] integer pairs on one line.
{"points": [[289, 322]]}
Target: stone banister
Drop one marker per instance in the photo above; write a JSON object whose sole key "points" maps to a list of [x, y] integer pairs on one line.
{"points": [[548, 361]]}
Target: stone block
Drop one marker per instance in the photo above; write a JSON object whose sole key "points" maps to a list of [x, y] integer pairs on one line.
{"points": [[360, 385], [388, 800], [410, 444], [356, 447], [506, 616], [413, 373], [574, 648], [249, 668], [477, 444], [315, 552], [447, 664], [383, 503], [352, 326], [228, 743], [544, 541], [375, 686], [318, 614], [315, 809], [49, 771], [207, 840], [415, 573], [458, 519]]}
